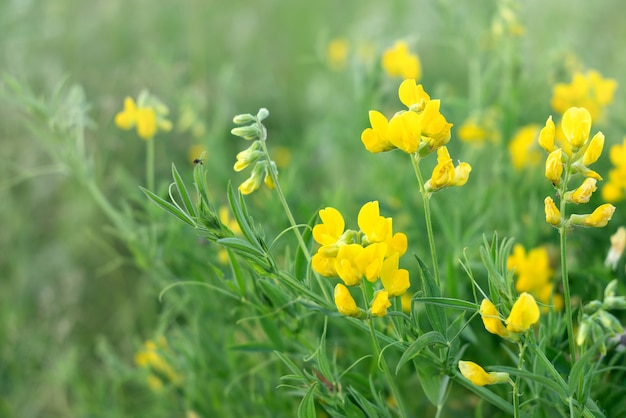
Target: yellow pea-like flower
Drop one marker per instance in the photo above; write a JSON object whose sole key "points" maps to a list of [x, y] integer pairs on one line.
{"points": [[375, 227], [583, 193], [554, 167], [435, 128], [399, 61], [380, 303], [253, 182], [404, 131], [546, 136], [412, 95], [346, 266], [344, 301], [395, 280], [146, 123], [553, 215], [478, 376], [599, 218], [323, 265], [461, 174], [594, 150], [126, 118], [375, 138], [576, 124], [491, 319], [370, 260], [331, 228], [524, 314]]}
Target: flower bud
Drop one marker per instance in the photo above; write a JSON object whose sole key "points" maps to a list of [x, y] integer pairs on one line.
{"points": [[576, 124], [263, 113], [546, 136], [554, 167], [491, 319], [254, 181], [553, 215], [246, 132], [344, 301], [583, 193], [598, 218], [243, 118], [594, 150], [478, 376], [583, 332]]}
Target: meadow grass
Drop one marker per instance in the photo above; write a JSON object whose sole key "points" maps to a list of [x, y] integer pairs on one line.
{"points": [[111, 307]]}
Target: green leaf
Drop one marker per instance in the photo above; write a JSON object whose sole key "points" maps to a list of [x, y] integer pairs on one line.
{"points": [[436, 314], [241, 216], [167, 206], [182, 191], [430, 338], [306, 409], [542, 380], [430, 378], [290, 364], [449, 303], [369, 409]]}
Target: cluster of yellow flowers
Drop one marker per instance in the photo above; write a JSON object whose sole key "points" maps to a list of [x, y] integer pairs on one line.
{"points": [[373, 252], [398, 61], [420, 130], [588, 90], [254, 154], [534, 274], [615, 188], [151, 358], [148, 115], [575, 155]]}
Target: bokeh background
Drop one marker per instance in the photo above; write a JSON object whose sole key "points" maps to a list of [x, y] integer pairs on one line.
{"points": [[75, 304]]}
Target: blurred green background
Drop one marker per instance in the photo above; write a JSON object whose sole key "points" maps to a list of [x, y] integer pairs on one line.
{"points": [[74, 304]]}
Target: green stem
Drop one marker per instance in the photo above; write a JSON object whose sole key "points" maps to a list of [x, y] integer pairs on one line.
{"points": [[429, 226], [564, 276], [383, 363], [150, 164], [283, 201]]}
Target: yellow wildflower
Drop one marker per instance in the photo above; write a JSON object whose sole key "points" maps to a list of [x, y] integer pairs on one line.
{"points": [[344, 301], [380, 303], [576, 124], [331, 228], [598, 218], [395, 280], [370, 260], [589, 90], [253, 182], [583, 193], [594, 150], [375, 138], [553, 215], [478, 376], [407, 302], [404, 131], [435, 130], [337, 53], [323, 265], [445, 174], [547, 136], [524, 314], [491, 318], [374, 226], [399, 61], [346, 266], [533, 272], [412, 95], [554, 167], [147, 115], [522, 148]]}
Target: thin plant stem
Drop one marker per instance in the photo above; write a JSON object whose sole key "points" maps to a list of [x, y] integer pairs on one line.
{"points": [[383, 363], [429, 225], [150, 164], [281, 196], [564, 276]]}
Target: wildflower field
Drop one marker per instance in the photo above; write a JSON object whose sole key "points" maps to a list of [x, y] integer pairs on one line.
{"points": [[312, 209]]}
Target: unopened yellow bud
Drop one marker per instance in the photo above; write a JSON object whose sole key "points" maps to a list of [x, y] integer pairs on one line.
{"points": [[478, 376], [595, 149], [524, 314], [554, 167], [546, 136], [254, 181], [491, 319], [344, 301], [461, 174], [553, 215], [583, 193]]}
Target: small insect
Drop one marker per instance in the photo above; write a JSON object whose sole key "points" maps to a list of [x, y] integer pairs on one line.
{"points": [[198, 161]]}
